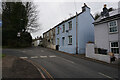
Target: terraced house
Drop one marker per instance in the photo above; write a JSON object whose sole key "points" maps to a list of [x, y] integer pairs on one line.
{"points": [[107, 31], [73, 34], [49, 39]]}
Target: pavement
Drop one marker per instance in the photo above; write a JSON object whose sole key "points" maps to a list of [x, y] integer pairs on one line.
{"points": [[14, 67], [55, 64]]}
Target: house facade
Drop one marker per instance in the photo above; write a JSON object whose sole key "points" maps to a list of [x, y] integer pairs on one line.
{"points": [[107, 32], [49, 39], [0, 20], [73, 34], [37, 41]]}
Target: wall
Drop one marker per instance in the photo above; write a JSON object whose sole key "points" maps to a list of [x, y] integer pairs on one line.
{"points": [[91, 54], [67, 48], [103, 37], [85, 30]]}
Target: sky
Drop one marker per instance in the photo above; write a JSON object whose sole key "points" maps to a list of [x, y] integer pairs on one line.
{"points": [[52, 13]]}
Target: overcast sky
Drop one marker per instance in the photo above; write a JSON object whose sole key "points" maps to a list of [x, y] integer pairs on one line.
{"points": [[51, 13]]}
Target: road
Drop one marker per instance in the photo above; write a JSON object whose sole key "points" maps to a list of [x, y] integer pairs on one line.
{"points": [[59, 65]]}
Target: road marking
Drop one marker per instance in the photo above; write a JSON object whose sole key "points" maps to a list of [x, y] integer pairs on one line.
{"points": [[42, 51], [23, 51], [67, 60], [52, 56], [48, 74], [30, 50], [43, 56], [41, 69], [37, 69], [105, 75], [34, 57], [24, 57]]}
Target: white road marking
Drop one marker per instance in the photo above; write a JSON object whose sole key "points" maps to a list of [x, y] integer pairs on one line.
{"points": [[43, 56], [24, 57], [23, 51], [67, 60], [105, 75], [30, 50], [42, 51], [33, 57], [52, 56]]}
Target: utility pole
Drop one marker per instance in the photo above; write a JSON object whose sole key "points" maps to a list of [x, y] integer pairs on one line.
{"points": [[76, 35]]}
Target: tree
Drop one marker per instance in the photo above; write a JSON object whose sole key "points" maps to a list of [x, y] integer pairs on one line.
{"points": [[97, 16], [18, 17], [32, 15]]}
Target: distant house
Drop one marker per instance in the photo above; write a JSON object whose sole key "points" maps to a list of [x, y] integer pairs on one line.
{"points": [[0, 20], [49, 39], [0, 23], [37, 41], [73, 34]]}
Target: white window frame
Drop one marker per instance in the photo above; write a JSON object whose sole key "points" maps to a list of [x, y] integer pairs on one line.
{"points": [[113, 26], [114, 47], [69, 42], [70, 27]]}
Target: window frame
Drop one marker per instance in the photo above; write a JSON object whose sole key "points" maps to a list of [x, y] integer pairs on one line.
{"points": [[114, 47], [70, 27], [70, 42], [63, 30], [63, 41], [58, 41], [58, 30], [113, 26]]}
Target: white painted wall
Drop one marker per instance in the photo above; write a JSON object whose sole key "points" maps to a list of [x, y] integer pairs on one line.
{"points": [[91, 54]]}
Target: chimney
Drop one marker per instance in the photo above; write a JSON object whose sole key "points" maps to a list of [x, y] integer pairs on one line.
{"points": [[105, 12], [84, 7]]}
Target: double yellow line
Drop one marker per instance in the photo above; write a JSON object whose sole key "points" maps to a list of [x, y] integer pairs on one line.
{"points": [[43, 69]]}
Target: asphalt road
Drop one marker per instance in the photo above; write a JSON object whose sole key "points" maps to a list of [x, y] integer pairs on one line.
{"points": [[59, 65]]}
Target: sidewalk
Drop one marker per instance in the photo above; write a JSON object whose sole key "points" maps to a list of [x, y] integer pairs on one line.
{"points": [[13, 67]]}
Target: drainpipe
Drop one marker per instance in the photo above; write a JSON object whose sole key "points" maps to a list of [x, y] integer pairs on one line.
{"points": [[76, 35]]}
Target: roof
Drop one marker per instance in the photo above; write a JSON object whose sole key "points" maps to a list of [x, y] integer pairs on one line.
{"points": [[70, 18], [112, 14]]}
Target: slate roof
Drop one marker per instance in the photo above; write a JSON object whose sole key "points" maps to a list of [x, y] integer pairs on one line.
{"points": [[112, 14]]}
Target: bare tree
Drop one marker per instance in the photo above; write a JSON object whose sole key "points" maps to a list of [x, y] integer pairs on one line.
{"points": [[32, 15]]}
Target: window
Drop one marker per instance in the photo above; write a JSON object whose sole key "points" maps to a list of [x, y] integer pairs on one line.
{"points": [[113, 26], [63, 28], [58, 30], [57, 41], [70, 40], [114, 47], [63, 40], [70, 25], [47, 34]]}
